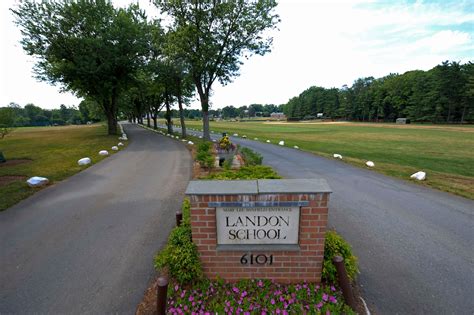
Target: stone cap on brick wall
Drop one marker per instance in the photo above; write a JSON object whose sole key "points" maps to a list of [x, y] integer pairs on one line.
{"points": [[254, 187]]}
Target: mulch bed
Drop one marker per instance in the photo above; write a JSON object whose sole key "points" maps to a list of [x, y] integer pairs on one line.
{"points": [[14, 162], [7, 179], [148, 304]]}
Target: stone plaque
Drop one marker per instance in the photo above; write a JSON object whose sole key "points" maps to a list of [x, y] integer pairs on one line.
{"points": [[258, 225]]}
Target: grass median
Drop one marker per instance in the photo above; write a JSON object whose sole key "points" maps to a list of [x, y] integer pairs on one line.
{"points": [[444, 152], [50, 152]]}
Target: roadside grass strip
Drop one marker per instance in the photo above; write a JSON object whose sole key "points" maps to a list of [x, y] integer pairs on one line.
{"points": [[50, 152], [443, 153]]}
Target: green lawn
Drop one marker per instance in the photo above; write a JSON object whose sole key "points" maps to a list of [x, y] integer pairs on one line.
{"points": [[446, 153], [53, 152]]}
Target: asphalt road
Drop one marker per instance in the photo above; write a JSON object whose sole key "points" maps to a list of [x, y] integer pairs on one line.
{"points": [[86, 245], [414, 244]]}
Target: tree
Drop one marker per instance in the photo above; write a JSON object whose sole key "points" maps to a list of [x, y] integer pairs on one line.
{"points": [[212, 37], [89, 48], [7, 118]]}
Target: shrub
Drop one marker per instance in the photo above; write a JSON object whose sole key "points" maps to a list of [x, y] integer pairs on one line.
{"points": [[336, 245], [180, 256], [246, 172], [204, 155], [251, 157]]}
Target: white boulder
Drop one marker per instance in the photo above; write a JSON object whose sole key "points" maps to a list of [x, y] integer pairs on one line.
{"points": [[281, 142], [103, 152], [37, 181], [370, 164], [296, 147], [419, 175], [268, 141], [84, 161], [236, 134], [244, 136], [190, 142], [120, 144], [115, 148], [337, 156], [200, 137], [256, 139]]}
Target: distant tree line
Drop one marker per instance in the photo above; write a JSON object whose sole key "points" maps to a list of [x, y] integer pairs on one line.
{"points": [[229, 112], [31, 115], [444, 94]]}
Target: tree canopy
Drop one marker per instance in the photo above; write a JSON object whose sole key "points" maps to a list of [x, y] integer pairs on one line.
{"points": [[212, 37], [90, 48]]}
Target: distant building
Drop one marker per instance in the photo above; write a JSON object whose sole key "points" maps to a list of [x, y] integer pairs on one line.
{"points": [[277, 116], [402, 121]]}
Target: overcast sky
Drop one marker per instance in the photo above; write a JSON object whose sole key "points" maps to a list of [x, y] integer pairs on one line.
{"points": [[323, 43]]}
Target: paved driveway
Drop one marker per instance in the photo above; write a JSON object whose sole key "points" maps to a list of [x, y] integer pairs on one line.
{"points": [[86, 245]]}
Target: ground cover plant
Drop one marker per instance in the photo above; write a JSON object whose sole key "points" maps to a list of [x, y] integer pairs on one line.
{"points": [[50, 152], [444, 152], [255, 297]]}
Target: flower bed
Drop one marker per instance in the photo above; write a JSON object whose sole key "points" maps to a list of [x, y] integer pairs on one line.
{"points": [[255, 297]]}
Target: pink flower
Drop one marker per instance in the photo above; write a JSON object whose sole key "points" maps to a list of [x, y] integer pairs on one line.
{"points": [[191, 298], [333, 289], [244, 294], [319, 305], [272, 301], [332, 299], [328, 312], [236, 290], [176, 287], [325, 297], [260, 283]]}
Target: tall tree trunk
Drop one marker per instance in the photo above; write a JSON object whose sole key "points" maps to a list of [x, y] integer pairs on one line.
{"points": [[205, 125], [181, 116], [168, 115], [148, 119], [155, 124], [205, 116], [111, 113], [463, 112]]}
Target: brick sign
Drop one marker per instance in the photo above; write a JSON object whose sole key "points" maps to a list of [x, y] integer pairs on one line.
{"points": [[271, 229]]}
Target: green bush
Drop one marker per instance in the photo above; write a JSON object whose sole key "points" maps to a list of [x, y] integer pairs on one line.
{"points": [[186, 210], [246, 172], [251, 157], [180, 257], [336, 245], [204, 155]]}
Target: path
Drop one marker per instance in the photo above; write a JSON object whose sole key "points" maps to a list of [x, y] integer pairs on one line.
{"points": [[415, 244], [86, 245]]}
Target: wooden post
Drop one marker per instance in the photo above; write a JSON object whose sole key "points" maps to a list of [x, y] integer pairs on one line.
{"points": [[162, 295], [344, 281]]}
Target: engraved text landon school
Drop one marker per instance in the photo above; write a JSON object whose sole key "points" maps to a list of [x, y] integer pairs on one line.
{"points": [[258, 225]]}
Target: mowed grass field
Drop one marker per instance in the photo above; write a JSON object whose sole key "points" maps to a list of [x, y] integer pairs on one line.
{"points": [[446, 153], [50, 152]]}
